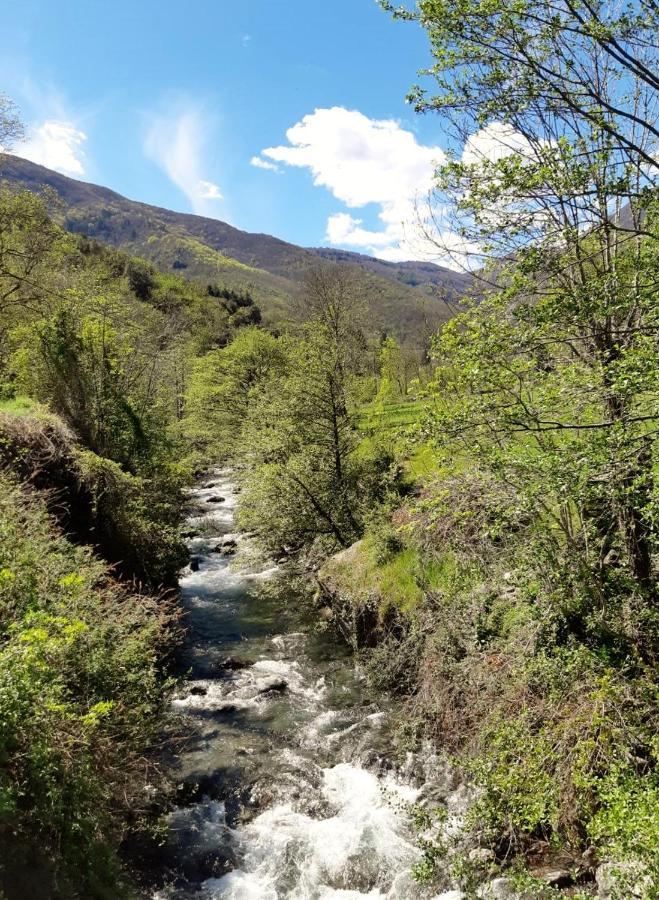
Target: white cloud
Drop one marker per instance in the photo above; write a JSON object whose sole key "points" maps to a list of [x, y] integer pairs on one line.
{"points": [[176, 142], [496, 141], [210, 191], [246, 40], [56, 145], [364, 161], [264, 164]]}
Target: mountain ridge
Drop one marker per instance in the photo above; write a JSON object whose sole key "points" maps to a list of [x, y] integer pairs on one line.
{"points": [[405, 297]]}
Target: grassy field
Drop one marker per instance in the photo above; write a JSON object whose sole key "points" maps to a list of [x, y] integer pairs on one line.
{"points": [[390, 416], [395, 421]]}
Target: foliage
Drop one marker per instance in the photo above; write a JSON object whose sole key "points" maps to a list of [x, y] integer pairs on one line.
{"points": [[222, 385], [539, 633], [95, 351], [310, 479], [80, 694]]}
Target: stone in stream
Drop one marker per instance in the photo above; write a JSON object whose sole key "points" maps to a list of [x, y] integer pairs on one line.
{"points": [[198, 691], [235, 665], [275, 687], [194, 563], [216, 499], [228, 547]]}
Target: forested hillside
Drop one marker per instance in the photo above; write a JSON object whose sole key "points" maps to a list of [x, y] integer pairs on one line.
{"points": [[273, 271]]}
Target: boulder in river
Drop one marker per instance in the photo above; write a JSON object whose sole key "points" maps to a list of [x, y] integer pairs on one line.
{"points": [[195, 563], [235, 665], [274, 687], [198, 691], [216, 499], [228, 547]]}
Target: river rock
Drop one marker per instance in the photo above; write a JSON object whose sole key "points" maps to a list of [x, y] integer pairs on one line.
{"points": [[198, 691], [227, 547], [235, 665], [556, 878], [275, 687], [216, 499], [195, 563], [498, 889]]}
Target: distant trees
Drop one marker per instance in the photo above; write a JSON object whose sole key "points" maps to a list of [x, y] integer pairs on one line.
{"points": [[286, 406], [141, 279]]}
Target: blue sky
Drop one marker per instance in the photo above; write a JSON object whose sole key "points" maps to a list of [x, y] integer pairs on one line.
{"points": [[283, 117]]}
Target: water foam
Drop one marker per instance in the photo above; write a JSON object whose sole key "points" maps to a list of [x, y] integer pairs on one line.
{"points": [[355, 852]]}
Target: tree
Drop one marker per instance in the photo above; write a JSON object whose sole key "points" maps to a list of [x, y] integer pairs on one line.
{"points": [[307, 478], [29, 240], [556, 371], [223, 385], [11, 128], [595, 60]]}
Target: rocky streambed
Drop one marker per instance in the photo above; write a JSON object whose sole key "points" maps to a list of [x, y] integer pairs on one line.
{"points": [[288, 783]]}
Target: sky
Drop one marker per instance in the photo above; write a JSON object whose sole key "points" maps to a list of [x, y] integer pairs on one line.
{"points": [[285, 117]]}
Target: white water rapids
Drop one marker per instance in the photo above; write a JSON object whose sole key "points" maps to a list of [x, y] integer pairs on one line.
{"points": [[287, 786]]}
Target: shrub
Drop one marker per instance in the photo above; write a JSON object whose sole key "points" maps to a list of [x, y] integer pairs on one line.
{"points": [[81, 694]]}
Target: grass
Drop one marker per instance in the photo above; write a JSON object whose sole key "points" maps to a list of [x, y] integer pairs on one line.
{"points": [[393, 421], [387, 416], [395, 581], [20, 406]]}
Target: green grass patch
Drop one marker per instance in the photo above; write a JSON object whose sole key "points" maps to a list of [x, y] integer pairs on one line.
{"points": [[398, 581], [20, 406], [387, 416]]}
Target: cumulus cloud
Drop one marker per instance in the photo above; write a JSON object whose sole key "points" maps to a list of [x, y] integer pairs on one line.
{"points": [[264, 164], [496, 141], [176, 143], [364, 161], [56, 145]]}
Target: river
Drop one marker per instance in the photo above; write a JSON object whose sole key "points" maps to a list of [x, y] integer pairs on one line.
{"points": [[287, 783]]}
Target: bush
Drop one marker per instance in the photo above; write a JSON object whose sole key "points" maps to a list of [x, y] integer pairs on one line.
{"points": [[81, 695]]}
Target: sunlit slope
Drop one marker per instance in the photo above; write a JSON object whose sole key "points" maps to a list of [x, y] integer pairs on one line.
{"points": [[210, 250]]}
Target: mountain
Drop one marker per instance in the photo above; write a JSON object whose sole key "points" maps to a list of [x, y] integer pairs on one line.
{"points": [[406, 298], [413, 274]]}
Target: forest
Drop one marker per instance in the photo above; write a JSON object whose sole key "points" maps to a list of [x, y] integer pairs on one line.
{"points": [[476, 510]]}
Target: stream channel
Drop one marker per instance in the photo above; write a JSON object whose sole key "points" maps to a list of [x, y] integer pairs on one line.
{"points": [[287, 780]]}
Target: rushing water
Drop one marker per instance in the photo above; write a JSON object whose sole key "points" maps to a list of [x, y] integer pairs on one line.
{"points": [[285, 785]]}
